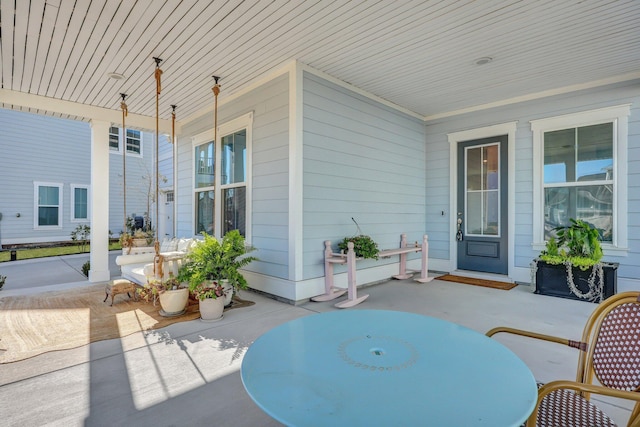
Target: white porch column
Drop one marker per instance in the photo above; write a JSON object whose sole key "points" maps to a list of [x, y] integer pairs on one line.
{"points": [[99, 255]]}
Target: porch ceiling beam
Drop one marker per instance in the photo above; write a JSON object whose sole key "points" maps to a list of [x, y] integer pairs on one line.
{"points": [[87, 112]]}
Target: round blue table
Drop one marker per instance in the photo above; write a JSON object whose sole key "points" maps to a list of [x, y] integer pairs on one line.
{"points": [[386, 368]]}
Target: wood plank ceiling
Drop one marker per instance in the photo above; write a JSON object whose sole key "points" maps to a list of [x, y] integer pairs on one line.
{"points": [[419, 55]]}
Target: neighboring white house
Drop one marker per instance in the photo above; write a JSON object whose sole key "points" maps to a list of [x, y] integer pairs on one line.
{"points": [[46, 176], [300, 154]]}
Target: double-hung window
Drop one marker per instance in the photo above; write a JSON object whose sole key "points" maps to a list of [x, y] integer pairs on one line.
{"points": [[79, 202], [580, 163], [48, 205], [114, 138], [222, 173], [134, 140]]}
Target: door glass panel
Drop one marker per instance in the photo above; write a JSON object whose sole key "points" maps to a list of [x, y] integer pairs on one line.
{"points": [[491, 213], [483, 190], [474, 213], [490, 167], [474, 169]]}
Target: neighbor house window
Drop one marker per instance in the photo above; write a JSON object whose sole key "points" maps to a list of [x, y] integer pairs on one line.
{"points": [[114, 138], [221, 173], [48, 205], [581, 159], [79, 202], [134, 140]]}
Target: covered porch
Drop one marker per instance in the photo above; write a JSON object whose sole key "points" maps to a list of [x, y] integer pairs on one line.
{"points": [[349, 110], [188, 373]]}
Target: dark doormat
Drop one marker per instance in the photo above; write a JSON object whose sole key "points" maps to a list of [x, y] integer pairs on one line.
{"points": [[477, 282]]}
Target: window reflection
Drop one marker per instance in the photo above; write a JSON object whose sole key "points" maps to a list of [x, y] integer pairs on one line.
{"points": [[581, 158]]}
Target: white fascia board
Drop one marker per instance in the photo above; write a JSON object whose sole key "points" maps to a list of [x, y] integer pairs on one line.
{"points": [[88, 112]]}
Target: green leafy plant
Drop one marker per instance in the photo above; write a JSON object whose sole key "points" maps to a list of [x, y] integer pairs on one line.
{"points": [[578, 244], [208, 290], [211, 259], [81, 235], [364, 246], [86, 267], [126, 240], [153, 288], [2, 280]]}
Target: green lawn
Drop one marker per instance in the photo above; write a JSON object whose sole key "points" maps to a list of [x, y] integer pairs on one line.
{"points": [[5, 255]]}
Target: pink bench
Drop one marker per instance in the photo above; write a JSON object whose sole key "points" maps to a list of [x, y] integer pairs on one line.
{"points": [[331, 258]]}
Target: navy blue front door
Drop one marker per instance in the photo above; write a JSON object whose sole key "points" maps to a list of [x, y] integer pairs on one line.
{"points": [[482, 233]]}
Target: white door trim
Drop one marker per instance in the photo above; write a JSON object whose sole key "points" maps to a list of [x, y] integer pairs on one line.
{"points": [[508, 129]]}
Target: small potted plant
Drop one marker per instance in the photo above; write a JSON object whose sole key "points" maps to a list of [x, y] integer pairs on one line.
{"points": [[172, 294], [210, 296], [126, 241], [571, 265], [363, 245], [142, 237]]}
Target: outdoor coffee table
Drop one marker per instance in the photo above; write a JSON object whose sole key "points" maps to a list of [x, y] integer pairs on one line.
{"points": [[386, 368]]}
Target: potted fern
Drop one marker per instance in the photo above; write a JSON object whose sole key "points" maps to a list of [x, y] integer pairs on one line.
{"points": [[220, 261], [571, 265]]}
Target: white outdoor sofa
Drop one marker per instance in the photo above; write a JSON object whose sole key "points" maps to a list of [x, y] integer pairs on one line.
{"points": [[137, 263]]}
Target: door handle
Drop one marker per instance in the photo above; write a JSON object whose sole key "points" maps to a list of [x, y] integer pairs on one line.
{"points": [[459, 236]]}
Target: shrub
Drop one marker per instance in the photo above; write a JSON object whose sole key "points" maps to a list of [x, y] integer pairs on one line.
{"points": [[85, 268]]}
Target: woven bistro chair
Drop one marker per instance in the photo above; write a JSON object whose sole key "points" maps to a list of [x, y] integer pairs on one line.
{"points": [[609, 352]]}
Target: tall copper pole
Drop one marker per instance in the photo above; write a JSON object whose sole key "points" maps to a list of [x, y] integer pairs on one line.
{"points": [[216, 92], [125, 111], [157, 74]]}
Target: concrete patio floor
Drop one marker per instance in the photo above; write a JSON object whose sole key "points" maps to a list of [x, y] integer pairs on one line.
{"points": [[188, 373]]}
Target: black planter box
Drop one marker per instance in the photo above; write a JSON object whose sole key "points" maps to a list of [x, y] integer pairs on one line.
{"points": [[552, 280]]}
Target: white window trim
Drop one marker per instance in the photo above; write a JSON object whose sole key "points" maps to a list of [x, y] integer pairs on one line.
{"points": [[619, 115], [72, 209], [121, 144], [119, 150], [243, 122], [36, 186], [125, 143]]}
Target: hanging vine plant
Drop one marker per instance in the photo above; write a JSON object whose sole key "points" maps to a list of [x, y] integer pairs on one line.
{"points": [[364, 246]]}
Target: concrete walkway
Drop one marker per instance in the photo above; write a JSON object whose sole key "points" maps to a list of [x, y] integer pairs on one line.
{"points": [[42, 274], [188, 373]]}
